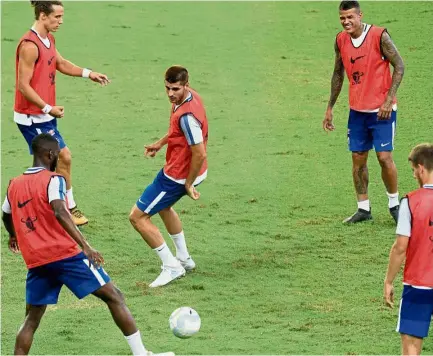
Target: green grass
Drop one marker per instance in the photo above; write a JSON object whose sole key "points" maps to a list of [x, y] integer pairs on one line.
{"points": [[277, 271]]}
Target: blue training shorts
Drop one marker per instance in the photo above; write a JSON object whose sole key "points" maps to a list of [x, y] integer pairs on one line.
{"points": [[50, 127], [416, 310], [365, 131], [44, 283], [161, 194]]}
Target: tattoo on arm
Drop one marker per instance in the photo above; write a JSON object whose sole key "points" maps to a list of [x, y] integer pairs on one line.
{"points": [[390, 52], [337, 77]]}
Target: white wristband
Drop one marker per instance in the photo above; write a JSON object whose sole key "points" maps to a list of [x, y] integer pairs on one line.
{"points": [[86, 73], [46, 109]]}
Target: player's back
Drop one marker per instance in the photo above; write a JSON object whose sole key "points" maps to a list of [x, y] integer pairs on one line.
{"points": [[40, 236]]}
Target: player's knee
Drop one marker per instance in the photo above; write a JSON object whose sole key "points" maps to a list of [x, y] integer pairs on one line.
{"points": [[359, 158], [65, 156], [136, 215], [385, 159], [32, 323], [133, 218]]}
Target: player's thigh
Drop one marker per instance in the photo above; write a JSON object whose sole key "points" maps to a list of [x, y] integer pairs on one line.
{"points": [[81, 277], [109, 293], [411, 345], [384, 133], [42, 286], [416, 309], [358, 136], [162, 193]]}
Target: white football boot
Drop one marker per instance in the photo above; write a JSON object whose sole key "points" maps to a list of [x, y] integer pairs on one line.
{"points": [[150, 353], [167, 275], [188, 264]]}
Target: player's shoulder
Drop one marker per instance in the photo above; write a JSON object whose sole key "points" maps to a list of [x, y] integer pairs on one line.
{"points": [[28, 49]]}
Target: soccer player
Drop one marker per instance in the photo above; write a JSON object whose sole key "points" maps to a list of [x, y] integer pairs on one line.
{"points": [[415, 243], [40, 227], [35, 110], [365, 52], [185, 168]]}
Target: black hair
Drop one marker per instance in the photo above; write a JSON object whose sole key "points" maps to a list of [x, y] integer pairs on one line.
{"points": [[347, 5], [176, 74], [43, 142]]}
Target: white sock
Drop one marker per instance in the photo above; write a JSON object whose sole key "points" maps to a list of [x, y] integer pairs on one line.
{"points": [[180, 243], [70, 198], [364, 205], [136, 344], [392, 199], [166, 256]]}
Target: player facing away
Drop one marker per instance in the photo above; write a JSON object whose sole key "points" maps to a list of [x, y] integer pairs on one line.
{"points": [[365, 52], [35, 109], [414, 243], [40, 227], [185, 168]]}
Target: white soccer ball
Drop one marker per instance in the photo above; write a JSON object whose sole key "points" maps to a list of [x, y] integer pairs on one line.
{"points": [[184, 322]]}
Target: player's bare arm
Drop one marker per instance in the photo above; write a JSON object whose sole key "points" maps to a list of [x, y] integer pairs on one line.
{"points": [[198, 156], [68, 68], [63, 216], [9, 226], [390, 51], [336, 85], [396, 259], [151, 150], [28, 55]]}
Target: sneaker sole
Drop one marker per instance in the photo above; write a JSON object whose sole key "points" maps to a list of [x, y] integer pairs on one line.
{"points": [[357, 222]]}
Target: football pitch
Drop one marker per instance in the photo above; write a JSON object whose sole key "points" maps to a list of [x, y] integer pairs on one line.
{"points": [[277, 271]]}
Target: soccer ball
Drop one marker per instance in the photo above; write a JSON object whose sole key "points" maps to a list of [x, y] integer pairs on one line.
{"points": [[184, 322]]}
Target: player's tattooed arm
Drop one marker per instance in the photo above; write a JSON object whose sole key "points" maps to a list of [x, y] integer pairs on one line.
{"points": [[389, 51], [337, 78]]}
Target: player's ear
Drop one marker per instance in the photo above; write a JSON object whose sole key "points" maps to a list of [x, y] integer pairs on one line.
{"points": [[187, 84], [361, 14]]}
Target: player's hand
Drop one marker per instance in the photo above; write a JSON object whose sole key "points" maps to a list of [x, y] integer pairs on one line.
{"points": [[150, 150], [57, 111], [99, 78], [192, 192], [13, 245], [94, 256], [385, 111], [388, 294], [328, 121]]}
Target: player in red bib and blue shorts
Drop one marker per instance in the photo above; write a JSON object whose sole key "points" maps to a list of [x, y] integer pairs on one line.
{"points": [[414, 243], [40, 226], [185, 168], [36, 64], [365, 51]]}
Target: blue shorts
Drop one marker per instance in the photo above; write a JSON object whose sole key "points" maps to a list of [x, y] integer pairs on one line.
{"points": [[416, 310], [161, 194], [29, 132], [44, 282], [364, 131]]}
